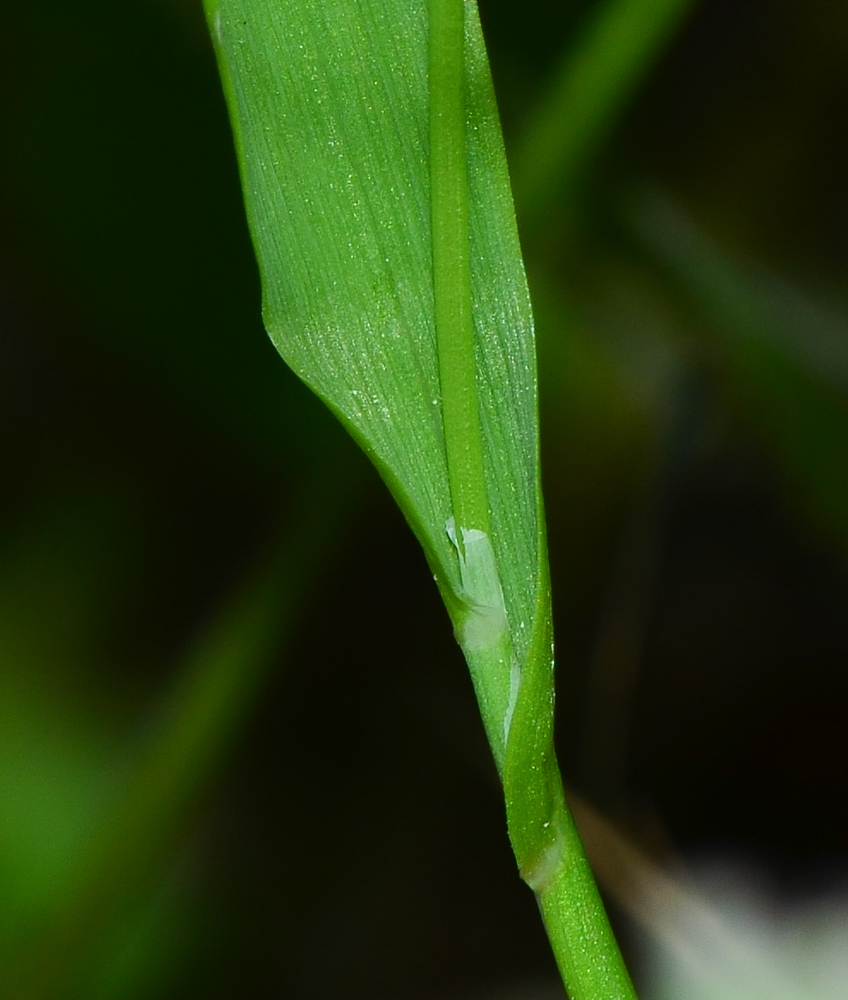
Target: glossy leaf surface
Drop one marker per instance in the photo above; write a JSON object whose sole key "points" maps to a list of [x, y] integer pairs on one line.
{"points": [[330, 110]]}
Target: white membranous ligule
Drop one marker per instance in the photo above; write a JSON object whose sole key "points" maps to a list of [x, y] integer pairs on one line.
{"points": [[481, 586], [485, 626]]}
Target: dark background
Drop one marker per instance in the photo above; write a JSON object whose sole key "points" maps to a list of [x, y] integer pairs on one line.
{"points": [[693, 339]]}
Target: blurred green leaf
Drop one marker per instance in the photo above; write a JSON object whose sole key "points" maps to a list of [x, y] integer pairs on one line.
{"points": [[81, 907], [596, 78], [783, 354], [60, 757]]}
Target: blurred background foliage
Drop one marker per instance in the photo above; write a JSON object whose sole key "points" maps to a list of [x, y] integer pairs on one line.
{"points": [[239, 754]]}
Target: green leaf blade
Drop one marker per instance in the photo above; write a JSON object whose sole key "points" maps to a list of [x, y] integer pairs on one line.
{"points": [[329, 106], [323, 135]]}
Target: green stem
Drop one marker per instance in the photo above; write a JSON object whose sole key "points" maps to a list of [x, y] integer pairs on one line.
{"points": [[452, 268], [582, 940], [541, 828]]}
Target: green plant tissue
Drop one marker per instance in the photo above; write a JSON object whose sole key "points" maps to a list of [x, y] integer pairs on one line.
{"points": [[329, 107]]}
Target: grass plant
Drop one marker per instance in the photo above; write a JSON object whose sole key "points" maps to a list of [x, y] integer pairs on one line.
{"points": [[378, 198], [381, 210]]}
